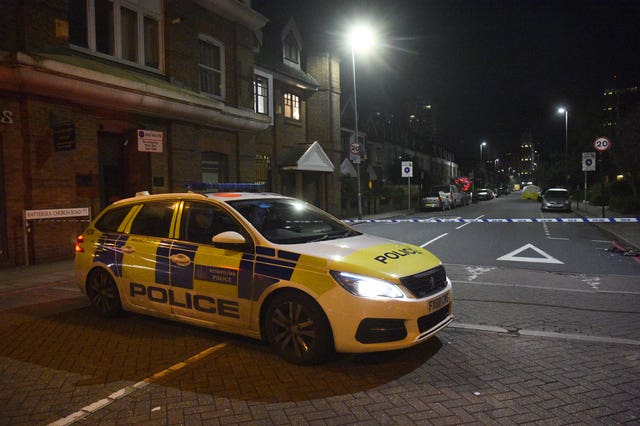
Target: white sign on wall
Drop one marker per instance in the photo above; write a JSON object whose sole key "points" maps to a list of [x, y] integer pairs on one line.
{"points": [[150, 141]]}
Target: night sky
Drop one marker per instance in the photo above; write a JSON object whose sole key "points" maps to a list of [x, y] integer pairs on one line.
{"points": [[491, 69]]}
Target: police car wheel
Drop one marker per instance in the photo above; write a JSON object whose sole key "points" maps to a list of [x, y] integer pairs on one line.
{"points": [[103, 293], [297, 329]]}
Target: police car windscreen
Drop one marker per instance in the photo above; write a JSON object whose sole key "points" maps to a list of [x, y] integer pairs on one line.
{"points": [[288, 221]]}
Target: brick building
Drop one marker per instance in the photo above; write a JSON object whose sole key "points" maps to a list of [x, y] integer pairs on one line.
{"points": [[104, 98], [301, 95]]}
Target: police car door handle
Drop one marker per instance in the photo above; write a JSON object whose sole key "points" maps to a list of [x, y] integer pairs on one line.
{"points": [[127, 249], [180, 259]]}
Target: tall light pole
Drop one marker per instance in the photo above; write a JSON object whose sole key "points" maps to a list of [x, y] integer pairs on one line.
{"points": [[360, 37], [565, 111], [473, 196]]}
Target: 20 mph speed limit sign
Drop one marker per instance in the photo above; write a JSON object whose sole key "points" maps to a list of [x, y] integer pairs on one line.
{"points": [[602, 144]]}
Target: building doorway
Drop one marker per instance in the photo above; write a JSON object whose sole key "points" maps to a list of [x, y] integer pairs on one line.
{"points": [[123, 169]]}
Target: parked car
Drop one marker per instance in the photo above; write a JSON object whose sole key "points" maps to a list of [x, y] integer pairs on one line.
{"points": [[265, 266], [435, 200], [503, 190], [556, 199], [484, 194], [530, 192], [452, 192]]}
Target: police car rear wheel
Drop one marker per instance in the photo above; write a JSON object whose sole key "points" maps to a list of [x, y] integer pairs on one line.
{"points": [[103, 293], [298, 330]]}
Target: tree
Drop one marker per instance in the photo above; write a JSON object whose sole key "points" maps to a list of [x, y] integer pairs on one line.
{"points": [[625, 148]]}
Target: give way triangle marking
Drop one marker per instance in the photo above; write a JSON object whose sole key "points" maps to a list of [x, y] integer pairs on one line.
{"points": [[545, 257]]}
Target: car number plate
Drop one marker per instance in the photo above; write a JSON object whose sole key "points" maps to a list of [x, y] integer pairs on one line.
{"points": [[438, 303]]}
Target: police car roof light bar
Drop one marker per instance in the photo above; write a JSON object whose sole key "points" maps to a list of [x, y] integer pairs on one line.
{"points": [[225, 187]]}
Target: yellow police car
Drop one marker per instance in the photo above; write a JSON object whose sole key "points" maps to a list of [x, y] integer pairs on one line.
{"points": [[265, 266]]}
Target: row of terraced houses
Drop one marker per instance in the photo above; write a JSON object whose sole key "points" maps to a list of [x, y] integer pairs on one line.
{"points": [[105, 98]]}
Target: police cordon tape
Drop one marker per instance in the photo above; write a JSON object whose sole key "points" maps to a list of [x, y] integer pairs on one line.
{"points": [[505, 220]]}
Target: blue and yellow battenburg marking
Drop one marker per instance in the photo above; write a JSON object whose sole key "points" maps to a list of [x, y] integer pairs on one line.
{"points": [[245, 275]]}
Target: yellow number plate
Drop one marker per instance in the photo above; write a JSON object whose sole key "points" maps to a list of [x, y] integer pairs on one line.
{"points": [[438, 303]]}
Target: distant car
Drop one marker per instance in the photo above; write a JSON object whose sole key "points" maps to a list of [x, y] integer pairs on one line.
{"points": [[452, 192], [484, 194], [530, 192], [556, 199], [435, 200]]}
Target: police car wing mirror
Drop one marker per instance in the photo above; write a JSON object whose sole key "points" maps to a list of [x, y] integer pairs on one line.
{"points": [[229, 239]]}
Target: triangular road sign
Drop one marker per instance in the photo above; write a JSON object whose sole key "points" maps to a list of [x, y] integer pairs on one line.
{"points": [[546, 258]]}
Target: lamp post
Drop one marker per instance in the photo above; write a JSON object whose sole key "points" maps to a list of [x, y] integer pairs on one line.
{"points": [[565, 111], [361, 38], [473, 196]]}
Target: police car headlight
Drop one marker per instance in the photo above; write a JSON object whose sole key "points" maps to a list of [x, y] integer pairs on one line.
{"points": [[363, 286]]}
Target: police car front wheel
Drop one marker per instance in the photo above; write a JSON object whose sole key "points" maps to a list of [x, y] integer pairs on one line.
{"points": [[297, 329], [103, 293]]}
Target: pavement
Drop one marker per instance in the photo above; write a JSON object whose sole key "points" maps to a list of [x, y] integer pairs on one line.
{"points": [[624, 234]]}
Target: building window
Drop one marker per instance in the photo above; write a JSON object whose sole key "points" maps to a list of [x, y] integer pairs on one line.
{"points": [[128, 30], [129, 34], [261, 94], [151, 42], [291, 49], [211, 66], [291, 106]]}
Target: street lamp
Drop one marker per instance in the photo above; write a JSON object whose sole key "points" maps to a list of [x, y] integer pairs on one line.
{"points": [[482, 145], [361, 38], [565, 111]]}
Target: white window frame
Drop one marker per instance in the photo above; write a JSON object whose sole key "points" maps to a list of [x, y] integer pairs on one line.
{"points": [[142, 10], [295, 106], [269, 79], [210, 40]]}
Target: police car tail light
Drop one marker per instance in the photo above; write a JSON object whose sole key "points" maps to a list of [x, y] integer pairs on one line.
{"points": [[79, 242], [363, 286]]}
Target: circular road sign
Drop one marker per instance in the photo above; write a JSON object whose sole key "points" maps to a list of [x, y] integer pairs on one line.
{"points": [[602, 144]]}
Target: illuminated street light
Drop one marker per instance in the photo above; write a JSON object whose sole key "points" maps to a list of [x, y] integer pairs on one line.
{"points": [[565, 111], [361, 38], [482, 145]]}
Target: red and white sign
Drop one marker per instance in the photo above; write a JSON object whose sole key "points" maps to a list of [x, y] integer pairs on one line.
{"points": [[150, 141], [602, 144]]}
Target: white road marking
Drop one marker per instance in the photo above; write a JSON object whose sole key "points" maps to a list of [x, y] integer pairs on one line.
{"points": [[433, 240], [476, 271], [592, 282], [466, 223], [538, 333], [121, 393], [546, 258]]}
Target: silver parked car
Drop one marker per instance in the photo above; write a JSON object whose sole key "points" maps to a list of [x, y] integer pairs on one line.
{"points": [[435, 200], [556, 199]]}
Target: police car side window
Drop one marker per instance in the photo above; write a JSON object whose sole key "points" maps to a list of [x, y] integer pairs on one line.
{"points": [[111, 220], [154, 220], [201, 222]]}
